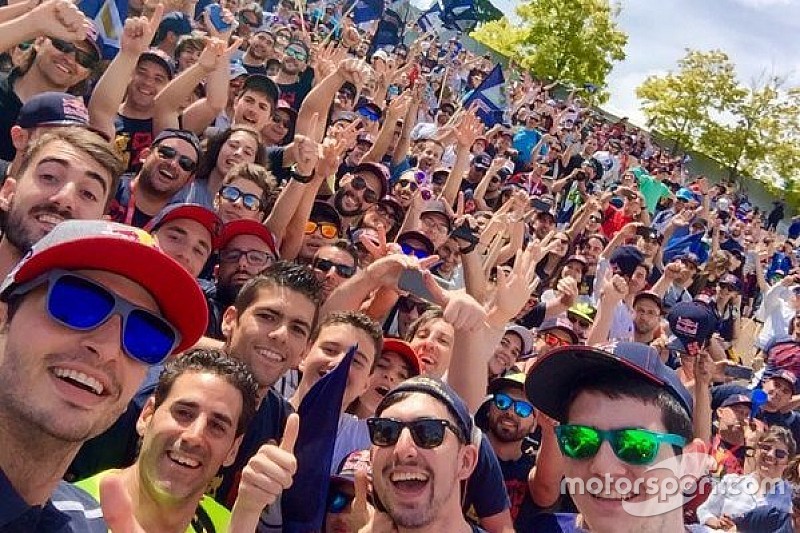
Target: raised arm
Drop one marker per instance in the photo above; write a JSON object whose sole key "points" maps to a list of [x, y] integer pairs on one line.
{"points": [[467, 130]]}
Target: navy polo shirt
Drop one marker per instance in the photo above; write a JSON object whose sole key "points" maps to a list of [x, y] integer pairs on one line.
{"points": [[16, 516]]}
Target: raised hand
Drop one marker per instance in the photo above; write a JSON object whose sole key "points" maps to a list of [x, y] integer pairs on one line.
{"points": [[139, 31], [468, 129], [614, 289], [60, 19], [513, 290], [355, 71], [117, 507], [308, 150]]}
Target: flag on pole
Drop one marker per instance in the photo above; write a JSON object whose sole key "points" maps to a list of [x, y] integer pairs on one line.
{"points": [[109, 16], [367, 10], [431, 21], [303, 504], [488, 97]]}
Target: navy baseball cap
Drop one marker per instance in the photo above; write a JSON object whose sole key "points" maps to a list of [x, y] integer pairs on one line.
{"points": [[554, 378], [736, 399], [626, 259], [379, 171], [176, 22], [482, 161], [732, 281], [692, 323], [441, 391], [53, 109], [188, 136], [160, 58]]}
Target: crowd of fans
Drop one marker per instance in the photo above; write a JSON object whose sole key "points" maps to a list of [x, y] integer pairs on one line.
{"points": [[198, 231]]}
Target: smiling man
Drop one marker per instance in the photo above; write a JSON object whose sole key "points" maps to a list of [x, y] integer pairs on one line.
{"points": [[83, 289], [190, 427], [68, 173]]}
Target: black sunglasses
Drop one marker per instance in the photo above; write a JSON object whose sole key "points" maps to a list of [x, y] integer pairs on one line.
{"points": [[83, 58], [325, 265], [409, 184], [231, 194], [360, 184], [184, 161], [428, 433]]}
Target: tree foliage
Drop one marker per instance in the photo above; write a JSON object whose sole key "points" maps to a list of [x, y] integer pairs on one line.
{"points": [[574, 41], [753, 130]]}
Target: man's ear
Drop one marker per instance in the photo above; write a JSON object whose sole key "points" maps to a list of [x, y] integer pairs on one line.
{"points": [[467, 461], [231, 457], [229, 319], [146, 415], [7, 192], [19, 138]]}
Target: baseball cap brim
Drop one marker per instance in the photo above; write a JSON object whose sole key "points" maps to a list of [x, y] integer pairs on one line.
{"points": [[553, 378], [200, 214], [404, 350], [176, 293], [525, 334]]}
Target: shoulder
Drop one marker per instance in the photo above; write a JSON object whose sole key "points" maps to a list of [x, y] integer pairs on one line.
{"points": [[82, 509]]}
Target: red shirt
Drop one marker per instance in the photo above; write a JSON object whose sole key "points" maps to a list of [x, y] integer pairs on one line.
{"points": [[613, 221]]}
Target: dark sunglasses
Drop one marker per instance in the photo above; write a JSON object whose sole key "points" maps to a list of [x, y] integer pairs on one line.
{"points": [[416, 252], [777, 452], [408, 184], [169, 153], [326, 229], [85, 59], [325, 265], [504, 402], [338, 501], [406, 305], [360, 184], [428, 433], [595, 219], [631, 445], [82, 304], [232, 194]]}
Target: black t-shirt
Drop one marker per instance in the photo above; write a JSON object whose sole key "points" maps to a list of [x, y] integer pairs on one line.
{"points": [[132, 136], [515, 474], [10, 104], [294, 94], [255, 69]]}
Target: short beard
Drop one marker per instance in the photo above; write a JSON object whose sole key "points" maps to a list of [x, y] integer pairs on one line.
{"points": [[18, 233]]}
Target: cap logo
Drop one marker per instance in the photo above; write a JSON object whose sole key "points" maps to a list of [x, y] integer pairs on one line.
{"points": [[132, 234], [74, 108], [687, 326]]}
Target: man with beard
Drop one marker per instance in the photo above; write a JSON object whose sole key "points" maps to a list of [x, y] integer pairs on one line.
{"points": [[246, 248], [190, 427], [367, 184], [65, 50], [258, 51], [70, 365], [422, 451], [295, 79], [169, 164], [646, 317], [68, 173], [333, 264], [509, 418]]}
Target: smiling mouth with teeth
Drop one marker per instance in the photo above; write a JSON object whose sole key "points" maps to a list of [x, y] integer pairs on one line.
{"points": [[79, 380], [183, 460]]}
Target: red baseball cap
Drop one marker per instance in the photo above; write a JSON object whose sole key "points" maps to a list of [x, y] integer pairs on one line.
{"points": [[404, 350], [199, 213], [246, 227]]}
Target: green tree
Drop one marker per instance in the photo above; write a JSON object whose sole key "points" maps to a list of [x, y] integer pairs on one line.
{"points": [[574, 41], [680, 104]]}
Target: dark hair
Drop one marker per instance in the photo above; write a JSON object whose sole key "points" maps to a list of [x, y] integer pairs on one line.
{"points": [[782, 435], [345, 246], [84, 140], [263, 178], [428, 316], [215, 143], [212, 361], [616, 385], [286, 274], [192, 41], [451, 417], [358, 321]]}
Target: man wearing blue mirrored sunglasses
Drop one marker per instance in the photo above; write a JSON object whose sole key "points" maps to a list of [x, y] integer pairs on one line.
{"points": [[90, 308]]}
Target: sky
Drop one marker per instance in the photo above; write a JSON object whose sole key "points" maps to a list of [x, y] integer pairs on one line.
{"points": [[758, 36]]}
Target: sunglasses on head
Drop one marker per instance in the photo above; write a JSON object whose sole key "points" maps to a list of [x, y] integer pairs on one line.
{"points": [[325, 265], [634, 446], [427, 433], [360, 184], [85, 59], [326, 229], [338, 500], [169, 153], [504, 402], [406, 305], [554, 340], [232, 194], [416, 252], [82, 304]]}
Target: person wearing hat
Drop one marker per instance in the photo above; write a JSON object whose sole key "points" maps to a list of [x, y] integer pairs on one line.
{"points": [[357, 190], [168, 165], [66, 49], [509, 419], [416, 243], [605, 400], [614, 291], [780, 386], [727, 303], [435, 222], [729, 444], [477, 170], [187, 233], [582, 316], [88, 171], [396, 363], [323, 228], [260, 48], [517, 342], [246, 248], [422, 451], [81, 289], [295, 79], [173, 26], [388, 214], [554, 332], [342, 492]]}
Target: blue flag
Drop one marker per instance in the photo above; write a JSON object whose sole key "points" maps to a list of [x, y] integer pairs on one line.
{"points": [[303, 505], [430, 21], [389, 31], [459, 15], [488, 96], [109, 16], [367, 10], [687, 244]]}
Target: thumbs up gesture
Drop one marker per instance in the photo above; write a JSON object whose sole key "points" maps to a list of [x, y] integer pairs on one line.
{"points": [[117, 507], [268, 473]]}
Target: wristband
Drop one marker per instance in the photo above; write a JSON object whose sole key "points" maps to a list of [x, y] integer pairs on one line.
{"points": [[299, 177]]}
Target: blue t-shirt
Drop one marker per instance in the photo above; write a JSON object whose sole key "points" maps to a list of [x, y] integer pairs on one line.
{"points": [[524, 141]]}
